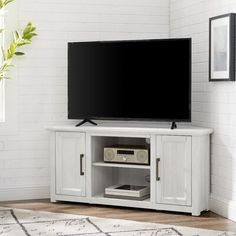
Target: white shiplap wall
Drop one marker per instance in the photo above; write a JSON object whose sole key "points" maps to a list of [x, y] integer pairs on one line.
{"points": [[42, 76], [214, 104]]}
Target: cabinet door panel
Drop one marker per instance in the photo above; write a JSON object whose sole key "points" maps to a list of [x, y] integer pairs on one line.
{"points": [[70, 163], [174, 186]]}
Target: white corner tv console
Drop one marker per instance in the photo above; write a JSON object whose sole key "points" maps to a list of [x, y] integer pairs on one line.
{"points": [[179, 166]]}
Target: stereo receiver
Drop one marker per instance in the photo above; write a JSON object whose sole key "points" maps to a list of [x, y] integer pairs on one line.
{"points": [[127, 154]]}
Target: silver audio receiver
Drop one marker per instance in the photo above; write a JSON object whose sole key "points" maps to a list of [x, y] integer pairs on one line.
{"points": [[127, 154]]}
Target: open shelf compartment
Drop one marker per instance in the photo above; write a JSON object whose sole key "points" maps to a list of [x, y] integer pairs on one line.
{"points": [[99, 142], [105, 177]]}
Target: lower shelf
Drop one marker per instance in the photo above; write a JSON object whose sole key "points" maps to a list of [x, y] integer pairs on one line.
{"points": [[100, 199], [103, 196]]}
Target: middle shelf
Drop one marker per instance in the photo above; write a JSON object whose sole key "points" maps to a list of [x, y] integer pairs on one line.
{"points": [[130, 166]]}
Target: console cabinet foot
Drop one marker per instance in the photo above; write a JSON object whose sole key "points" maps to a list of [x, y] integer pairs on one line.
{"points": [[196, 213]]}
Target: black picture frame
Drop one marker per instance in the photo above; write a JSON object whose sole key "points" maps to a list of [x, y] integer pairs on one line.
{"points": [[222, 47]]}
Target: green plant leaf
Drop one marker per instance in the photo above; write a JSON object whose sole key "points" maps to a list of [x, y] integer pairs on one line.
{"points": [[17, 35], [19, 53], [27, 29], [18, 40], [11, 50], [7, 2], [28, 36], [3, 3], [22, 42]]}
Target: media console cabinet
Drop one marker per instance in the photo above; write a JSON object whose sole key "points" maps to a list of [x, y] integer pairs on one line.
{"points": [[178, 174]]}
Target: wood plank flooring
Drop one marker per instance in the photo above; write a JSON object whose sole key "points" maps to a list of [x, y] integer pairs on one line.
{"points": [[207, 220]]}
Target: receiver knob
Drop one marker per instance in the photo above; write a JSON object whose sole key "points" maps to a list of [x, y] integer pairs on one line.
{"points": [[109, 155], [142, 156]]}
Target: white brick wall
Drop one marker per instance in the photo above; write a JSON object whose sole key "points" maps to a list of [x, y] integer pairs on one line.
{"points": [[42, 76], [214, 104]]}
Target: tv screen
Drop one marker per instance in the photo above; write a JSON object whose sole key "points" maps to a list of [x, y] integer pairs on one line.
{"points": [[140, 80]]}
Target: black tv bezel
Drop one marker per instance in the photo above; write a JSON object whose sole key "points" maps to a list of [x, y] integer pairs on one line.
{"points": [[134, 118]]}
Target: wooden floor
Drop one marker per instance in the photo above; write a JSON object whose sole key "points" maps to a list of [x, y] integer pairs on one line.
{"points": [[207, 220]]}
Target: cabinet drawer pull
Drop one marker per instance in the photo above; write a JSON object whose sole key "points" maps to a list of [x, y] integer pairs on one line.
{"points": [[81, 164], [157, 169]]}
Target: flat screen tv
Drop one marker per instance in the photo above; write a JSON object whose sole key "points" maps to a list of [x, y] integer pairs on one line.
{"points": [[138, 80]]}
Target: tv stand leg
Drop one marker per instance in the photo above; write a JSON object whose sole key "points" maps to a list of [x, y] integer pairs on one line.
{"points": [[173, 125], [85, 121]]}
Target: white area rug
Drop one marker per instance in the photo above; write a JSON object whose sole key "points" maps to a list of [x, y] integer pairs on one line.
{"points": [[15, 222]]}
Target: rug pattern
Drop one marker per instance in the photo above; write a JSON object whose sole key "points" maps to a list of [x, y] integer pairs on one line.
{"points": [[34, 223]]}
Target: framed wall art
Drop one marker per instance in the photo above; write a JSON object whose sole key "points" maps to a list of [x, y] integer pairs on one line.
{"points": [[222, 48]]}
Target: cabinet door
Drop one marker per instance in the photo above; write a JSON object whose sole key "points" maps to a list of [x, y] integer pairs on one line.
{"points": [[173, 166], [70, 163]]}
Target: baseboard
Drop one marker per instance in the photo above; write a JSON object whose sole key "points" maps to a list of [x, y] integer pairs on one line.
{"points": [[223, 207], [25, 193]]}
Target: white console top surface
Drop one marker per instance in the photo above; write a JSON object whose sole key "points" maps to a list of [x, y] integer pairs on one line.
{"points": [[131, 127]]}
